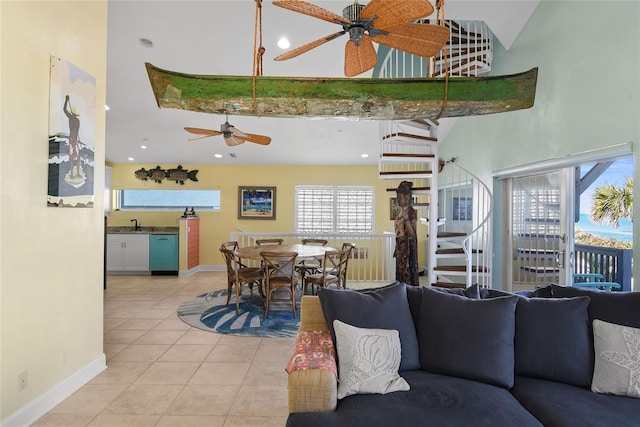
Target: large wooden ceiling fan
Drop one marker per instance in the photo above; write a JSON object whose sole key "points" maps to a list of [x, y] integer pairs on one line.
{"points": [[231, 135], [381, 21]]}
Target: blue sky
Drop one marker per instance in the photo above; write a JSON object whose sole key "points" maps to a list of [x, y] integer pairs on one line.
{"points": [[615, 175]]}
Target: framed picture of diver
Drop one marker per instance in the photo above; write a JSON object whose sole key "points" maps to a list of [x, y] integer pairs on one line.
{"points": [[72, 116], [256, 202]]}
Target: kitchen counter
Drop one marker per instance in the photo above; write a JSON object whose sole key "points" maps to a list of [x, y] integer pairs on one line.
{"points": [[143, 230]]}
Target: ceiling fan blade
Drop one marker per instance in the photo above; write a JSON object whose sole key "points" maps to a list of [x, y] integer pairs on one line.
{"points": [[307, 47], [391, 13], [312, 10], [258, 139], [232, 141], [201, 133], [204, 132], [236, 132], [358, 59], [418, 39]]}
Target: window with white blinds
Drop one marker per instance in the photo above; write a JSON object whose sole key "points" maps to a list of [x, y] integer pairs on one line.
{"points": [[327, 209]]}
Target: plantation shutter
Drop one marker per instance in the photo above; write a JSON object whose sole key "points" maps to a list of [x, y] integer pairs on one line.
{"points": [[326, 209], [314, 209], [354, 209]]}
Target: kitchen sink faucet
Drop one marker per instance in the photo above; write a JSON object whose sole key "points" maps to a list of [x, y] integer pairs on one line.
{"points": [[137, 225]]}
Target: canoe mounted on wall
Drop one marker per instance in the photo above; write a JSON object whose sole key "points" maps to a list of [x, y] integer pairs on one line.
{"points": [[344, 98]]}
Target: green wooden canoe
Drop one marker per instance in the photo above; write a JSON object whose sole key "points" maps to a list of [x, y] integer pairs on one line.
{"points": [[347, 98]]}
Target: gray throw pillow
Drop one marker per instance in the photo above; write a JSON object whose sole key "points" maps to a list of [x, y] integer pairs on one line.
{"points": [[617, 366], [379, 308], [553, 340], [369, 360], [468, 338]]}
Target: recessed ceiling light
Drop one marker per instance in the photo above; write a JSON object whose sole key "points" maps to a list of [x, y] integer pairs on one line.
{"points": [[364, 155], [284, 43], [131, 159], [144, 147], [145, 42], [106, 108], [217, 156]]}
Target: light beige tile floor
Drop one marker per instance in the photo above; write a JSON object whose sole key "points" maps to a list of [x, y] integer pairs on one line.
{"points": [[162, 372]]}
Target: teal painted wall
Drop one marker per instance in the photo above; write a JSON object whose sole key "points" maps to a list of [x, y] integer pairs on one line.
{"points": [[587, 97]]}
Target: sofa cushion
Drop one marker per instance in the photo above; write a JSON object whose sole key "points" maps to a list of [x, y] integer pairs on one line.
{"points": [[369, 360], [468, 338], [617, 359], [557, 404], [414, 296], [433, 401], [553, 339], [380, 308], [620, 308]]}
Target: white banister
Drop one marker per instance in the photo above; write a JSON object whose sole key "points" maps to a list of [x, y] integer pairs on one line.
{"points": [[371, 261]]}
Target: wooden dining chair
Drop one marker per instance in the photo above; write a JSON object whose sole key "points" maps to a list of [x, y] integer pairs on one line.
{"points": [[239, 275], [265, 242], [348, 248], [329, 274], [279, 273], [310, 266], [232, 245]]}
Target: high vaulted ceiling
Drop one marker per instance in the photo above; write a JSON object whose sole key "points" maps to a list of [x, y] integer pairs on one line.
{"points": [[217, 37]]}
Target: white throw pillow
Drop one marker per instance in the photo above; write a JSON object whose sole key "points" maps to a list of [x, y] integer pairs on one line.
{"points": [[617, 361], [368, 360]]}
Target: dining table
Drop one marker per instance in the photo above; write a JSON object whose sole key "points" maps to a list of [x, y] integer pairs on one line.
{"points": [[305, 252]]}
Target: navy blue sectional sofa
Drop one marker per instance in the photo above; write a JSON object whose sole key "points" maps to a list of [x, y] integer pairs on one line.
{"points": [[474, 357]]}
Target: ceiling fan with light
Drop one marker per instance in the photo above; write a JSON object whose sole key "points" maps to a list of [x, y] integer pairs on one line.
{"points": [[381, 21], [232, 136]]}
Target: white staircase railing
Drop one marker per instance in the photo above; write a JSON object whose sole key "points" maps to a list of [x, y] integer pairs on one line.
{"points": [[466, 203], [459, 246], [469, 53]]}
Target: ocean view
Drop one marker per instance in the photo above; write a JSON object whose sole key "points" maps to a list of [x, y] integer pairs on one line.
{"points": [[624, 232]]}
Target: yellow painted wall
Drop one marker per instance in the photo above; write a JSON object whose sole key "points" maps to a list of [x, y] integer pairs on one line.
{"points": [[216, 226], [51, 258]]}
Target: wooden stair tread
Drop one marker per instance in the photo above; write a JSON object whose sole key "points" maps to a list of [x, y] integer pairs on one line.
{"points": [[401, 155], [475, 269], [410, 135], [453, 251], [406, 172], [414, 189], [444, 234]]}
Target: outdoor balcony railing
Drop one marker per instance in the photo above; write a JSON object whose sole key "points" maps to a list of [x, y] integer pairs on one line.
{"points": [[614, 264]]}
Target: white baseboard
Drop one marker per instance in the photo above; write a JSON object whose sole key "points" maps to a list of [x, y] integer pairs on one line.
{"points": [[39, 406], [201, 267]]}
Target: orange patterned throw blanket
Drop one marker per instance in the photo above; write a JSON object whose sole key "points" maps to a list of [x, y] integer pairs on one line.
{"points": [[313, 350]]}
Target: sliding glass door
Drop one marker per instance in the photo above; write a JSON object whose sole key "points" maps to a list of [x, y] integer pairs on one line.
{"points": [[541, 216]]}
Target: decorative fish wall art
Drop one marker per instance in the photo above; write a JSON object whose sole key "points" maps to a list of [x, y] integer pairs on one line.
{"points": [[178, 174]]}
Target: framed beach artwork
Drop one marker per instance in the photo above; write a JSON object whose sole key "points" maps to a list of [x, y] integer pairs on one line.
{"points": [[72, 113], [256, 202]]}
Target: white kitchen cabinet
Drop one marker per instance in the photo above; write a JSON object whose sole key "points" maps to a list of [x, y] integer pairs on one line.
{"points": [[127, 252]]}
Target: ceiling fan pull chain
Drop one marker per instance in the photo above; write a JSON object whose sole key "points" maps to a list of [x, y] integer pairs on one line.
{"points": [[257, 52], [440, 19]]}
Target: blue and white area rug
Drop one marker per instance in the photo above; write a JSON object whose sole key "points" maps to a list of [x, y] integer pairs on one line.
{"points": [[208, 312]]}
